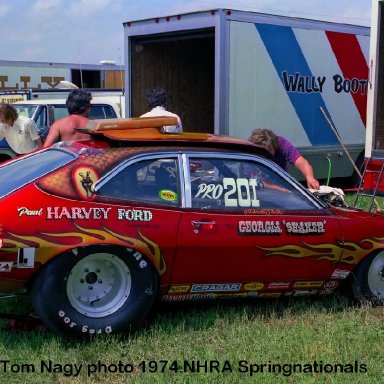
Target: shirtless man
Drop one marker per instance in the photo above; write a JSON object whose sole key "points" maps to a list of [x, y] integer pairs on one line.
{"points": [[78, 104]]}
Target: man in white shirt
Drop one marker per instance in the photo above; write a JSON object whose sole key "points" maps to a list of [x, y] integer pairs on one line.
{"points": [[157, 104], [20, 132]]}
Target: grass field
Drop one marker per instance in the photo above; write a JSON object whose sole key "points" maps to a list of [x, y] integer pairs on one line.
{"points": [[215, 343], [327, 339]]}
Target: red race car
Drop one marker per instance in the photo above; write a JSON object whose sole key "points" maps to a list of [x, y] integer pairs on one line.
{"points": [[97, 231]]}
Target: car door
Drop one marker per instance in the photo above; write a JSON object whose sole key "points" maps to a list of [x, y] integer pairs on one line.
{"points": [[145, 197], [248, 220]]}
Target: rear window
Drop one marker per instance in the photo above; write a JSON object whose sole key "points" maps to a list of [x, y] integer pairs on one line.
{"points": [[22, 171]]}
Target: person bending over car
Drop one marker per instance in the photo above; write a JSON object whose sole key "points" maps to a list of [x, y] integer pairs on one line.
{"points": [[78, 104], [284, 152]]}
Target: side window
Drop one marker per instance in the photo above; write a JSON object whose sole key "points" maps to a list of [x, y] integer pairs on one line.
{"points": [[152, 181], [60, 111], [236, 184], [102, 112], [97, 112]]}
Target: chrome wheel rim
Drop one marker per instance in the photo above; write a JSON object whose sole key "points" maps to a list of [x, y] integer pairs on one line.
{"points": [[99, 284], [376, 276]]}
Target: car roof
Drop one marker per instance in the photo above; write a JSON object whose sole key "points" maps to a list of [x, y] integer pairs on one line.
{"points": [[149, 131]]}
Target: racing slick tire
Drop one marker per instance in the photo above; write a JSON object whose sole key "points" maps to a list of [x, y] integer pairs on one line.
{"points": [[95, 290], [368, 279]]}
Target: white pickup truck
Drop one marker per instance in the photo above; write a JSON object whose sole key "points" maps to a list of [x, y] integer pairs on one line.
{"points": [[45, 111]]}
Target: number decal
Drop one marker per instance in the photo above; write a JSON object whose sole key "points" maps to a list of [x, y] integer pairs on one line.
{"points": [[230, 184], [240, 192]]}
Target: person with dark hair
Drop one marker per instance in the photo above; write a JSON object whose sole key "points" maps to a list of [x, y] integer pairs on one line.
{"points": [[78, 104], [157, 105], [284, 152], [20, 132]]}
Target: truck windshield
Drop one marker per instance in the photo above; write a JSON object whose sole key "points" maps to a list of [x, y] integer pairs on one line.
{"points": [[22, 171], [25, 110]]}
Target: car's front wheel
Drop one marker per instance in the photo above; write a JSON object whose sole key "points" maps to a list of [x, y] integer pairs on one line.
{"points": [[96, 289], [368, 279]]}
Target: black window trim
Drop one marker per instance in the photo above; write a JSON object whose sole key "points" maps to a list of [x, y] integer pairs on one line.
{"points": [[143, 157], [245, 157]]}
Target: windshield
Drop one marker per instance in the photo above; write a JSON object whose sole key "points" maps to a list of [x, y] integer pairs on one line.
{"points": [[22, 171], [25, 110]]}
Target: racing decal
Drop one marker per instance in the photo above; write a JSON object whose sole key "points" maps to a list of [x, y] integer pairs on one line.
{"points": [[134, 214], [179, 288], [308, 284], [269, 227], [263, 212], [58, 213], [330, 285], [254, 286], [203, 296], [270, 294], [6, 266], [302, 293], [230, 287], [325, 292], [340, 274], [279, 285], [47, 244], [83, 179], [168, 195], [24, 211], [26, 258], [305, 227], [349, 253], [240, 192], [258, 227]]}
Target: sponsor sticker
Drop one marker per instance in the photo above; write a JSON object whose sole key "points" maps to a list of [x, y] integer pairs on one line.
{"points": [[302, 293], [270, 294], [179, 288], [26, 258], [232, 287], [279, 285], [329, 285], [307, 284], [6, 266], [168, 195], [340, 274], [254, 286]]}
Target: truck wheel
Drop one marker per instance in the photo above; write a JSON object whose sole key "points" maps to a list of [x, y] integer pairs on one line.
{"points": [[368, 279], [96, 289]]}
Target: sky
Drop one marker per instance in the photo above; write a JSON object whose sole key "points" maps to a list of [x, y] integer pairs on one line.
{"points": [[89, 31]]}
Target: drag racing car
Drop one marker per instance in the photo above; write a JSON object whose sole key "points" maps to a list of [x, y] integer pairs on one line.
{"points": [[98, 231]]}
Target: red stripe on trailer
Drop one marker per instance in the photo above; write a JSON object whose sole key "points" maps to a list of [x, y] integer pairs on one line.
{"points": [[353, 65]]}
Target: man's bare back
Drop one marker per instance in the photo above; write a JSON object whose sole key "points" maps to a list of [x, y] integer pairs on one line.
{"points": [[65, 130]]}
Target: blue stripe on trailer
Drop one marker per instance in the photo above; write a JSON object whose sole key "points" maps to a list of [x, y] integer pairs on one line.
{"points": [[287, 56]]}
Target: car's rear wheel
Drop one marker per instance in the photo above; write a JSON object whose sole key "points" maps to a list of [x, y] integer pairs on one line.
{"points": [[368, 279], [96, 289]]}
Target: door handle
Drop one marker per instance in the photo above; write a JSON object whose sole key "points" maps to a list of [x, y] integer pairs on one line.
{"points": [[197, 224]]}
